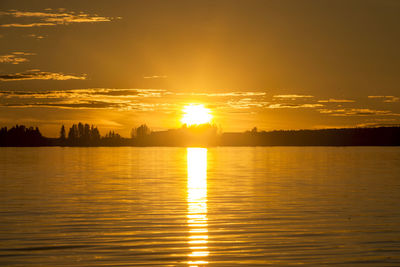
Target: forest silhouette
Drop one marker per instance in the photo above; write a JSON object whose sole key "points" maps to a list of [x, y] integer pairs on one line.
{"points": [[85, 135]]}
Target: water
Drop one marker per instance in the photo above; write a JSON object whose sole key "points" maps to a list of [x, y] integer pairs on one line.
{"points": [[197, 207]]}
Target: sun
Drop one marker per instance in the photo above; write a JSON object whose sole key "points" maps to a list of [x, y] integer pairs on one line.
{"points": [[195, 114]]}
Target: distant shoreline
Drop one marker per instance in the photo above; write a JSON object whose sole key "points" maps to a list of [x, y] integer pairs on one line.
{"points": [[202, 136], [201, 146]]}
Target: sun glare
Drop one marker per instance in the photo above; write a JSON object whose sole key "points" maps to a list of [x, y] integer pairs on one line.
{"points": [[196, 114]]}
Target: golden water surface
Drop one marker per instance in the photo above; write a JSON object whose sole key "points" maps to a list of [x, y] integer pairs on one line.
{"points": [[249, 206]]}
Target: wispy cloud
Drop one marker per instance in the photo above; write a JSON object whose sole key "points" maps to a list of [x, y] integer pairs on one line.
{"points": [[27, 25], [97, 98], [68, 105], [39, 75], [380, 122], [374, 125], [245, 103], [227, 94], [165, 101], [357, 112], [386, 98], [293, 96], [332, 100], [128, 99], [52, 18], [156, 77], [87, 93], [15, 57], [36, 36], [151, 99], [274, 106]]}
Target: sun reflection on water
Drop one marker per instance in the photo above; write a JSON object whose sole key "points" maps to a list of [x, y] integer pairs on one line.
{"points": [[197, 206]]}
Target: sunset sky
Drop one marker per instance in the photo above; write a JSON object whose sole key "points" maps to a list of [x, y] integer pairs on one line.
{"points": [[270, 64]]}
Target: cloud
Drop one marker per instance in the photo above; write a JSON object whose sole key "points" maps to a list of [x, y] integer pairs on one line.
{"points": [[15, 57], [275, 106], [357, 112], [23, 53], [374, 125], [386, 98], [122, 92], [245, 103], [161, 100], [233, 94], [39, 75], [66, 105], [91, 104], [38, 37], [148, 99], [293, 96], [116, 92], [128, 99], [156, 77], [87, 93], [331, 100], [29, 25], [52, 18], [376, 96], [96, 98]]}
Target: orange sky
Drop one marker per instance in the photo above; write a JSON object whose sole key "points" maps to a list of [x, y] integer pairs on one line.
{"points": [[270, 64]]}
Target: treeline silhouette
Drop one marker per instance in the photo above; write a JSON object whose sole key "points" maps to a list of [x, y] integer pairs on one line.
{"points": [[376, 136], [201, 135], [20, 135], [88, 135]]}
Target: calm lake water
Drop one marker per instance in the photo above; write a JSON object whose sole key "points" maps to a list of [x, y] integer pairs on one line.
{"points": [[199, 207]]}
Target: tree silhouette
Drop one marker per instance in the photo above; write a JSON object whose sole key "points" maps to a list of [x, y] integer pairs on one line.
{"points": [[83, 135], [95, 134], [19, 135], [141, 131], [73, 135], [62, 133]]}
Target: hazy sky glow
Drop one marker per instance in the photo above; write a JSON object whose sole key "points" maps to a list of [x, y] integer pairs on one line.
{"points": [[270, 64]]}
